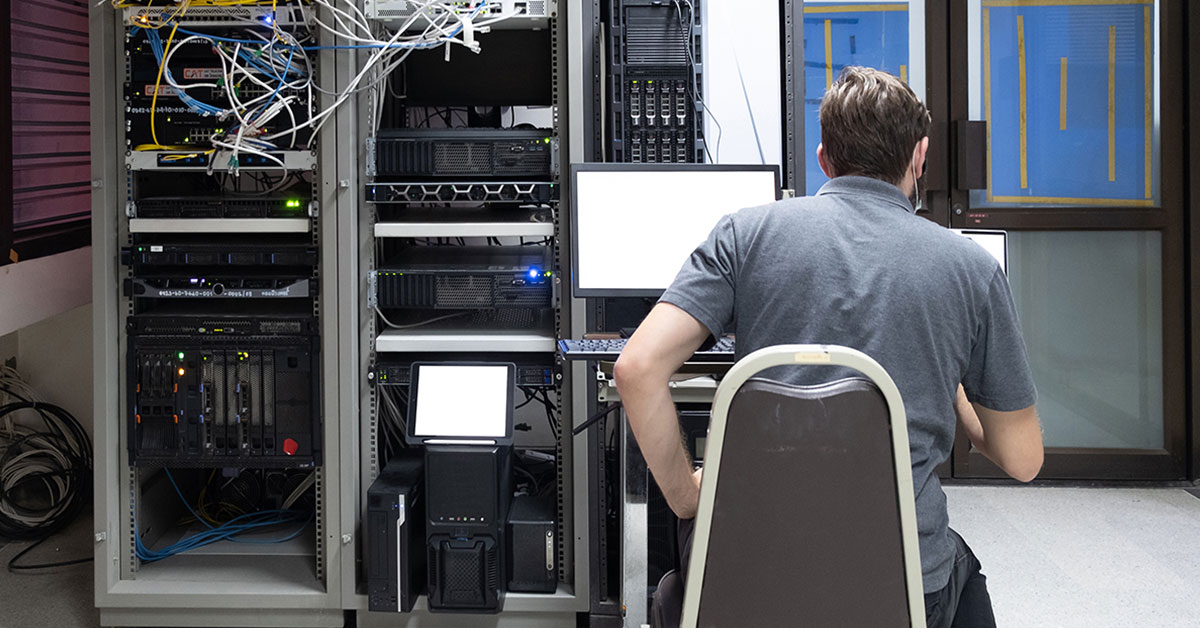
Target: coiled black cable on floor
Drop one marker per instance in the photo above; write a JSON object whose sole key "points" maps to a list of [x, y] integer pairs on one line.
{"points": [[45, 475]]}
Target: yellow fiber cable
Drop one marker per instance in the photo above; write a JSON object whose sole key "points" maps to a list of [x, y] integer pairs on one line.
{"points": [[157, 82]]}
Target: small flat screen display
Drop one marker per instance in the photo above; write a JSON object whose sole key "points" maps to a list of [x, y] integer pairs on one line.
{"points": [[462, 401]]}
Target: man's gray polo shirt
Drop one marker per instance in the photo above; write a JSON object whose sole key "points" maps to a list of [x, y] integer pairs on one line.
{"points": [[854, 266]]}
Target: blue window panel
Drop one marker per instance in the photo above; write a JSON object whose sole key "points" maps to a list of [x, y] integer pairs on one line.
{"points": [[1069, 165], [875, 38]]}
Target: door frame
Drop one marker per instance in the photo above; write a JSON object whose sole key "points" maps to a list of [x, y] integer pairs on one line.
{"points": [[1193, 198], [1169, 462]]}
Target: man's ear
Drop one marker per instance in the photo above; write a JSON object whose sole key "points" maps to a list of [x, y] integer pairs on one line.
{"points": [[919, 153], [823, 160]]}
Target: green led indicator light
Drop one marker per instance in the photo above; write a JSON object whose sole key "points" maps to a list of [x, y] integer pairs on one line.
{"points": [[180, 355], [293, 203]]}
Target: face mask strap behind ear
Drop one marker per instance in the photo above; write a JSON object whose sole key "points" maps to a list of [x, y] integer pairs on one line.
{"points": [[916, 198]]}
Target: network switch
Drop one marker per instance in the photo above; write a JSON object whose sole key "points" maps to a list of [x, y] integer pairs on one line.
{"points": [[531, 372]]}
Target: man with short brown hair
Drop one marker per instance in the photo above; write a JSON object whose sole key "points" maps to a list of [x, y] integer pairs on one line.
{"points": [[855, 266]]}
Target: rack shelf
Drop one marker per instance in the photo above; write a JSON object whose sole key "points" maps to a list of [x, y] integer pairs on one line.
{"points": [[464, 229], [463, 341], [149, 160]]}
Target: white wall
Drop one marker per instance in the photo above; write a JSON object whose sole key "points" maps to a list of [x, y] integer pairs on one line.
{"points": [[743, 82], [46, 325], [37, 289], [55, 356]]}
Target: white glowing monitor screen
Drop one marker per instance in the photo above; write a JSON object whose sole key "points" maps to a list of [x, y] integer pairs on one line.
{"points": [[994, 242], [635, 228], [462, 401]]}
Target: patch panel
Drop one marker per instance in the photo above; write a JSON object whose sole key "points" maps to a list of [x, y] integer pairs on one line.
{"points": [[178, 122], [234, 16]]}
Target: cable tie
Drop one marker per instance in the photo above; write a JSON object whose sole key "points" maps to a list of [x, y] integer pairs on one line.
{"points": [[468, 30]]}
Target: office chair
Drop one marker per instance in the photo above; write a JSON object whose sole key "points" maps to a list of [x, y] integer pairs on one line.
{"points": [[806, 505]]}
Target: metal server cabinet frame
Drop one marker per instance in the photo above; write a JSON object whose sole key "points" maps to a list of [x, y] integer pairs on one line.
{"points": [[123, 598], [358, 403], [596, 111]]}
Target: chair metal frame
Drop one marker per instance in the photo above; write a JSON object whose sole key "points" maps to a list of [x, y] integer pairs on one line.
{"points": [[823, 355]]}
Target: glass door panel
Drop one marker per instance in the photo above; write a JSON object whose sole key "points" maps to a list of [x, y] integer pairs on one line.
{"points": [[1069, 91], [889, 36], [1090, 304]]}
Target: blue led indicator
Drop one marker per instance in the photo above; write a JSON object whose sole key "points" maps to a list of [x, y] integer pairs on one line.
{"points": [[533, 273]]}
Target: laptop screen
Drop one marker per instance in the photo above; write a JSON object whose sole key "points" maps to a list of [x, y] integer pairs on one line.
{"points": [[994, 242]]}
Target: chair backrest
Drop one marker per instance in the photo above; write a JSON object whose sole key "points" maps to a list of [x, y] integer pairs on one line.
{"points": [[806, 507]]}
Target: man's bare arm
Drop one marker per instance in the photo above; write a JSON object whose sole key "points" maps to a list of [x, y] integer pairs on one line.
{"points": [[661, 344], [1012, 440]]}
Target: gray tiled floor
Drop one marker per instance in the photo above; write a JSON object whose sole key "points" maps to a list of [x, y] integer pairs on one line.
{"points": [[53, 598], [1093, 558], [1054, 557]]}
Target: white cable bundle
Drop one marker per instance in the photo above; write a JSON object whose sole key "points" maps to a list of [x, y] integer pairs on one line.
{"points": [[269, 62], [45, 462]]}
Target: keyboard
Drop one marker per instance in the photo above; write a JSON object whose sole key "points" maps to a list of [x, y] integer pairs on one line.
{"points": [[610, 348]]}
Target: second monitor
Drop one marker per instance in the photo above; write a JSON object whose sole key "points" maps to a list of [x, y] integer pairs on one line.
{"points": [[634, 225]]}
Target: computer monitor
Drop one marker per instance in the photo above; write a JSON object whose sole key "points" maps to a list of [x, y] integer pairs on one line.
{"points": [[456, 403], [994, 242], [634, 225]]}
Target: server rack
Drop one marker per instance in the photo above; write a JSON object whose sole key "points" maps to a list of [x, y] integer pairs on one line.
{"points": [[293, 582], [392, 209], [317, 581]]}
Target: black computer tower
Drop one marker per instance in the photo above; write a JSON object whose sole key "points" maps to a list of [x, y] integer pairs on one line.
{"points": [[655, 82], [532, 545], [395, 548], [468, 489]]}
